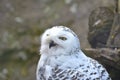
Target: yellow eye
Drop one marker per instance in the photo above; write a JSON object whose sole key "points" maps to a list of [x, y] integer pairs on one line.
{"points": [[63, 38]]}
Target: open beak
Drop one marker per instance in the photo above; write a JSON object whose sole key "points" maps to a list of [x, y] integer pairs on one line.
{"points": [[52, 44]]}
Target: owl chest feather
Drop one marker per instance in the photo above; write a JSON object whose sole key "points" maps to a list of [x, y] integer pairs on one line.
{"points": [[64, 61]]}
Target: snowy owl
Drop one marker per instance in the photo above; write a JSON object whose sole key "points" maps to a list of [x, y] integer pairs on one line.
{"points": [[62, 58]]}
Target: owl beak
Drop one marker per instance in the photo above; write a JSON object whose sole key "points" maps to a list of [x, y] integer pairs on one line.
{"points": [[52, 44]]}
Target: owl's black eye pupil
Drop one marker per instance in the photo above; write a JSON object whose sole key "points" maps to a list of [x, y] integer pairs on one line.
{"points": [[47, 34], [63, 38]]}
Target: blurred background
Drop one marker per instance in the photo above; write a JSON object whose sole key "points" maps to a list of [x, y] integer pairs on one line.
{"points": [[23, 21]]}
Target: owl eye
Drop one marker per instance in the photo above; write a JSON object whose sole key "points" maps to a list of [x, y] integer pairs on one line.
{"points": [[47, 34], [63, 38]]}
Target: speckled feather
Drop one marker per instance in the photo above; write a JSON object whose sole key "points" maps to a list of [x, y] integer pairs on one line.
{"points": [[65, 60]]}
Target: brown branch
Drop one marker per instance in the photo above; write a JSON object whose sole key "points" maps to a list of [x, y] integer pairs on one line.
{"points": [[106, 56], [116, 6]]}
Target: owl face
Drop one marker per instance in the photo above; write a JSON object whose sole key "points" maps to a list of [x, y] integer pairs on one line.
{"points": [[57, 39]]}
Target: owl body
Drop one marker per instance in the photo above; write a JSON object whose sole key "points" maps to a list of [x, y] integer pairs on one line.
{"points": [[62, 59]]}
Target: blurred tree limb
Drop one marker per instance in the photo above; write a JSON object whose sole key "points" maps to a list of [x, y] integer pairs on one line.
{"points": [[115, 31], [106, 56]]}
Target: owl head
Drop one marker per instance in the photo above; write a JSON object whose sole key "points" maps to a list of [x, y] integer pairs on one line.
{"points": [[59, 40]]}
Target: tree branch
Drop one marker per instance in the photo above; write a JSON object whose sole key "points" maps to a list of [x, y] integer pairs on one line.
{"points": [[105, 56]]}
